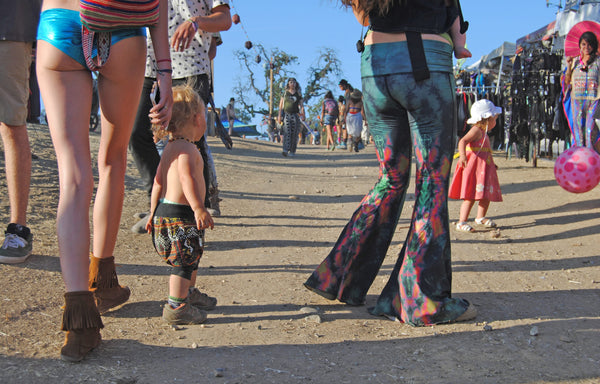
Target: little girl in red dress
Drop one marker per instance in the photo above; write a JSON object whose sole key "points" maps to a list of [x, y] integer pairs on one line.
{"points": [[475, 177]]}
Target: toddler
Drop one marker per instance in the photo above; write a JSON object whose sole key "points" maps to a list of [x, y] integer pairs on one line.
{"points": [[475, 177], [179, 217]]}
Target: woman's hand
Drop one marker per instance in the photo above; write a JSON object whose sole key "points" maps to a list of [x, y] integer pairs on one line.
{"points": [[160, 114]]}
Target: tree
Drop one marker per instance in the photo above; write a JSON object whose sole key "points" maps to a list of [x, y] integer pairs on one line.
{"points": [[322, 77], [253, 91]]}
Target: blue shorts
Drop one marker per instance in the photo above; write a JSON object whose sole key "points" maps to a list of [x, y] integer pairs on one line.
{"points": [[62, 28], [329, 120]]}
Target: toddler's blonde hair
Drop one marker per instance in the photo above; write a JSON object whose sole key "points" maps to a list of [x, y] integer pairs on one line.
{"points": [[186, 104]]}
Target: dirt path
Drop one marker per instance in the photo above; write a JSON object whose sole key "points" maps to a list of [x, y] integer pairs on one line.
{"points": [[537, 286]]}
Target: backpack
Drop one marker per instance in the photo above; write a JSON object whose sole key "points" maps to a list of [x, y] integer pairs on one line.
{"points": [[331, 107]]}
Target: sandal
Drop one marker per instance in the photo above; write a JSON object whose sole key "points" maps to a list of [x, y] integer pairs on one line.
{"points": [[489, 223], [464, 227]]}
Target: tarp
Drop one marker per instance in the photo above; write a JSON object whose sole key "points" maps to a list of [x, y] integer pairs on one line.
{"points": [[239, 128], [507, 49], [544, 33]]}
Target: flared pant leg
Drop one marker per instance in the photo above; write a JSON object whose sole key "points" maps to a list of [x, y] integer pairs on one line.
{"points": [[291, 128], [419, 289]]}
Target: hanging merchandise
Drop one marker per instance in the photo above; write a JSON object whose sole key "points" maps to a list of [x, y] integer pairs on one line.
{"points": [[235, 19]]}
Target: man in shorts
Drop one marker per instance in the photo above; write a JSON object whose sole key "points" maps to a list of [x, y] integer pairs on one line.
{"points": [[18, 27]]}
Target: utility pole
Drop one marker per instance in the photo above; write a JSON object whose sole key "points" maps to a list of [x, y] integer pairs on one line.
{"points": [[270, 89]]}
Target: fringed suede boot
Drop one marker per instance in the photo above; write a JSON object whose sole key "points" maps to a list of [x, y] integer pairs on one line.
{"points": [[82, 322], [104, 284]]}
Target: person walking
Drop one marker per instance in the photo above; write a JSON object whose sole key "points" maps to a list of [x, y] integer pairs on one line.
{"points": [[18, 23], [230, 110], [329, 115], [291, 110], [409, 104]]}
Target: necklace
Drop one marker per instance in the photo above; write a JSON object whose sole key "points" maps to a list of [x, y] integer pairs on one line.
{"points": [[181, 138]]}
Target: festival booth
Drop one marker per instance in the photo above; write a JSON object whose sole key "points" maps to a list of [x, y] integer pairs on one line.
{"points": [[536, 116], [534, 95], [483, 80]]}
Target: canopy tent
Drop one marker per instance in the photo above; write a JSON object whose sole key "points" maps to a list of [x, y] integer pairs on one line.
{"points": [[492, 59], [536, 37], [496, 62]]}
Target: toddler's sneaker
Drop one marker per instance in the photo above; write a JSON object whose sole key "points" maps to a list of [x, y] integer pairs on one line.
{"points": [[184, 314], [17, 244], [201, 300]]}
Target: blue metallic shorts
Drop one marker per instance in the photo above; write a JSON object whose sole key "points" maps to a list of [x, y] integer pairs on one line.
{"points": [[62, 28]]}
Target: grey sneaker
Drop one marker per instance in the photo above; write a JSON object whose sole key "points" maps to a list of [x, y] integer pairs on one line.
{"points": [[186, 314], [201, 300], [15, 249]]}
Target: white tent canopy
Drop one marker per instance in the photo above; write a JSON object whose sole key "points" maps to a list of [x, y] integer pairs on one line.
{"points": [[566, 19]]}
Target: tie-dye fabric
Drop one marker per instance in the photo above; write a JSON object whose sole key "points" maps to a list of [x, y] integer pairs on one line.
{"points": [[402, 115]]}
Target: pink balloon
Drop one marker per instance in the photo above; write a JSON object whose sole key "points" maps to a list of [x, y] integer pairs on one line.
{"points": [[577, 169]]}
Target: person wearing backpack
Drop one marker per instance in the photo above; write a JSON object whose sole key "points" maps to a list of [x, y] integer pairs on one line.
{"points": [[329, 115]]}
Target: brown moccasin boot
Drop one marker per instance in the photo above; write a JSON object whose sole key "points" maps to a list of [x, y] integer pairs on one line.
{"points": [[104, 284], [82, 322]]}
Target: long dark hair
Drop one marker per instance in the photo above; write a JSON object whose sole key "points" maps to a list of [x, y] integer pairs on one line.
{"points": [[592, 40]]}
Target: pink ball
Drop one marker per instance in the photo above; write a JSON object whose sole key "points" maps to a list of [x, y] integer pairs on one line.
{"points": [[577, 169]]}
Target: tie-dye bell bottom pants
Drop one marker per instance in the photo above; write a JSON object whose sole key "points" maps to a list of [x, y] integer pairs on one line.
{"points": [[403, 115]]}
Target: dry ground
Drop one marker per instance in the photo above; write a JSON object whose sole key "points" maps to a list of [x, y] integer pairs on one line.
{"points": [[536, 286]]}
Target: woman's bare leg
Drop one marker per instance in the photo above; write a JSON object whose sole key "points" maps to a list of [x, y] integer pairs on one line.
{"points": [[119, 87], [66, 88]]}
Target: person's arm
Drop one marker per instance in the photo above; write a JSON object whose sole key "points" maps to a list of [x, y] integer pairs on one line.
{"points": [[193, 187], [301, 109], [322, 112], [160, 114], [569, 72], [212, 51], [218, 20], [280, 112], [362, 112], [154, 197], [474, 134]]}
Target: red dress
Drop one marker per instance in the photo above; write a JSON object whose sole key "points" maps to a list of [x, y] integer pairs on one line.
{"points": [[478, 180]]}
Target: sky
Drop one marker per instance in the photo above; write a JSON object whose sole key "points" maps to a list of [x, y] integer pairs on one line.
{"points": [[301, 28]]}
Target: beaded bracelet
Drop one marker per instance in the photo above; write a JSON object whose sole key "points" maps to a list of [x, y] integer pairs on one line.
{"points": [[194, 24]]}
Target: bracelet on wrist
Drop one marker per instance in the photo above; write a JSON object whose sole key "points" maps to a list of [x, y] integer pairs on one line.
{"points": [[163, 71], [163, 61], [194, 24]]}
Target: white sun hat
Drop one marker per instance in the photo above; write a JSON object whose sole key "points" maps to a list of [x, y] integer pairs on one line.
{"points": [[482, 109]]}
